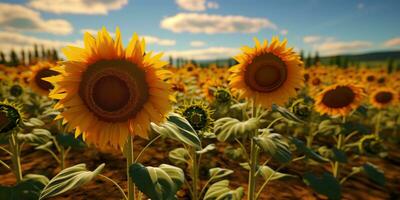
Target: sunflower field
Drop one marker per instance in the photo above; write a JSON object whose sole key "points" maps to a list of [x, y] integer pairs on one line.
{"points": [[115, 122]]}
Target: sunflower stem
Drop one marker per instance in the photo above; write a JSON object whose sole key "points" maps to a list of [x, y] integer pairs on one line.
{"points": [[16, 157], [378, 124], [129, 162], [340, 143], [195, 174], [253, 161]]}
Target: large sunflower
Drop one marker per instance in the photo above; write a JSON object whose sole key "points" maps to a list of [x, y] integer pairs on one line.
{"points": [[339, 99], [40, 71], [267, 73], [383, 97], [109, 92]]}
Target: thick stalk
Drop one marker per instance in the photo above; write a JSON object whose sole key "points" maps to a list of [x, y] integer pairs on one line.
{"points": [[339, 145], [195, 174], [16, 157], [129, 162], [62, 160], [252, 162], [378, 124]]}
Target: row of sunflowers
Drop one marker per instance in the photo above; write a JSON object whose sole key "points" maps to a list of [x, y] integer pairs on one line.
{"points": [[268, 110]]}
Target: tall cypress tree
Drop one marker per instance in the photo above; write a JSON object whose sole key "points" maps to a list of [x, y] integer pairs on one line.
{"points": [[302, 55], [55, 55], [308, 60], [14, 61], [2, 58], [316, 59], [23, 57], [35, 53]]}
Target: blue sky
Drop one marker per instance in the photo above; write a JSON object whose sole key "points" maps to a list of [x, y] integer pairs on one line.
{"points": [[207, 29]]}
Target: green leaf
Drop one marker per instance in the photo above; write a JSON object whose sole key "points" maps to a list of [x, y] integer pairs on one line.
{"points": [[350, 127], [28, 189], [339, 155], [178, 128], [37, 137], [274, 145], [303, 149], [234, 153], [34, 122], [327, 127], [326, 185], [286, 113], [69, 140], [221, 191], [374, 174], [219, 173], [271, 174], [179, 156], [68, 179], [206, 149], [158, 183], [229, 128]]}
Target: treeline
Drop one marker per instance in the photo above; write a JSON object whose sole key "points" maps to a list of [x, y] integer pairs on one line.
{"points": [[27, 57], [180, 62]]}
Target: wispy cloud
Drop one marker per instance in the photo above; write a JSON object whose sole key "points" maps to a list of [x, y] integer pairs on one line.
{"points": [[338, 47], [196, 5], [159, 41], [392, 42], [212, 24], [197, 43], [20, 18], [204, 54], [86, 7], [11, 40], [311, 39]]}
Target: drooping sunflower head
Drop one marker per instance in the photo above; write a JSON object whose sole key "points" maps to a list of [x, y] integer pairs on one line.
{"points": [[267, 73], [108, 92], [198, 115], [383, 98], [10, 117], [339, 99], [222, 95], [39, 72]]}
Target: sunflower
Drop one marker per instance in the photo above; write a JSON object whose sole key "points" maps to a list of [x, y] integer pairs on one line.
{"points": [[383, 97], [222, 95], [267, 73], [10, 117], [40, 71], [198, 115], [109, 92], [339, 99]]}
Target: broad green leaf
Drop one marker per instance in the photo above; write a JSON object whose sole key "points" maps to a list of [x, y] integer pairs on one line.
{"points": [[339, 155], [206, 149], [218, 173], [229, 128], [37, 137], [158, 183], [178, 128], [286, 113], [274, 145], [303, 149], [326, 185], [68, 179], [327, 127], [69, 140], [179, 156], [270, 174], [221, 191], [28, 189], [34, 122], [234, 153], [374, 174]]}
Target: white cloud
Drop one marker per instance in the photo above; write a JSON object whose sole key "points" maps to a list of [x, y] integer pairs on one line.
{"points": [[159, 41], [211, 24], [284, 32], [311, 39], [360, 6], [88, 7], [196, 5], [12, 40], [338, 47], [197, 43], [204, 54], [392, 42], [20, 18]]}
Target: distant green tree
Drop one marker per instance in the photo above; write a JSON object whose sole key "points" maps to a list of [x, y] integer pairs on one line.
{"points": [[302, 55], [390, 65], [55, 55], [2, 58], [14, 61], [36, 53], [308, 60], [171, 61], [316, 58], [43, 53], [338, 61], [23, 57], [30, 58]]}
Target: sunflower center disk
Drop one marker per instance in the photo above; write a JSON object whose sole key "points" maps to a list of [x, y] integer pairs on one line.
{"points": [[114, 90], [338, 98], [44, 73], [266, 73], [384, 97]]}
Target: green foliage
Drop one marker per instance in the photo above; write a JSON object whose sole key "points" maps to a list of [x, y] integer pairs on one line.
{"points": [[221, 191], [374, 174], [270, 174], [274, 145], [28, 189], [326, 185], [303, 149], [68, 179], [158, 183], [228, 128]]}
